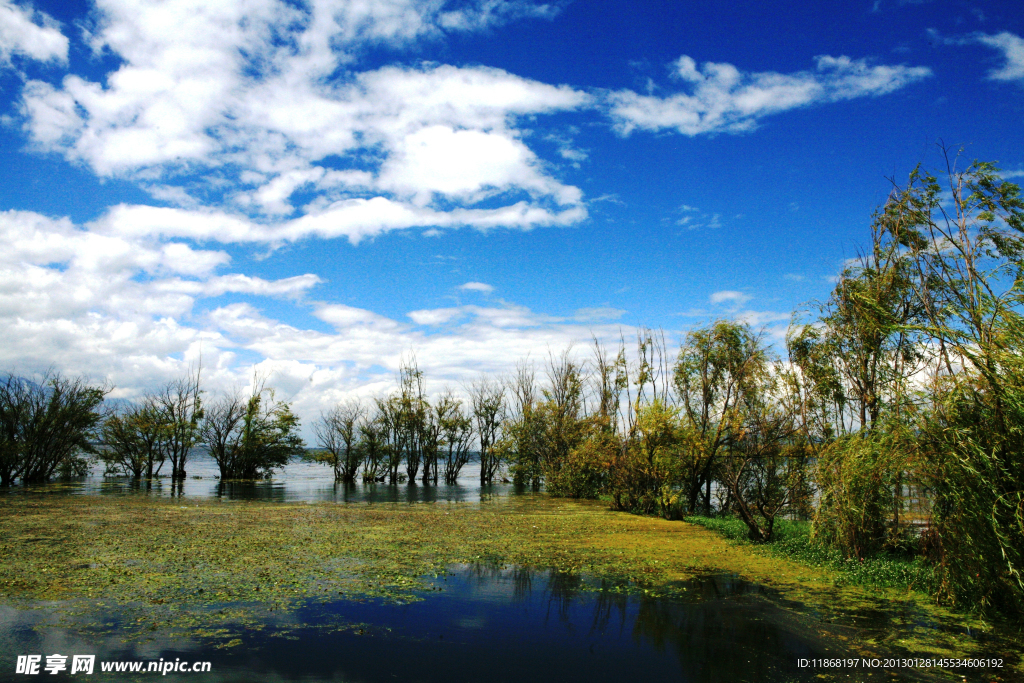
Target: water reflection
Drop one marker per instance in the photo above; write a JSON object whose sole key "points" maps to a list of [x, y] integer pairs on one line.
{"points": [[296, 482], [482, 623]]}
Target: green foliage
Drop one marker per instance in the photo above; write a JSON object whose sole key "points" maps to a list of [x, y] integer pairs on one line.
{"points": [[584, 473], [715, 368], [522, 447], [860, 477], [540, 436], [647, 473], [977, 478], [250, 438], [45, 427], [917, 360], [132, 441], [268, 440], [966, 241], [455, 436]]}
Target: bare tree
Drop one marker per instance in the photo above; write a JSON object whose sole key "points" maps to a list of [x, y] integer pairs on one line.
{"points": [[488, 400], [455, 435], [337, 433], [132, 440], [221, 434], [181, 406], [374, 444], [609, 381]]}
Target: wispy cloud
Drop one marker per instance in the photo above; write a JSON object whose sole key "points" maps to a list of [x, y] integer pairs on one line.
{"points": [[477, 287], [693, 218], [605, 313], [1009, 44], [1012, 47], [730, 297], [719, 98]]}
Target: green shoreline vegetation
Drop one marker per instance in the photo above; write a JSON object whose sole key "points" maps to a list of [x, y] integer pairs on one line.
{"points": [[884, 448]]}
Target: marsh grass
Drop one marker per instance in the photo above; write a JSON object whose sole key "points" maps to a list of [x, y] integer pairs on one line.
{"points": [[792, 539]]}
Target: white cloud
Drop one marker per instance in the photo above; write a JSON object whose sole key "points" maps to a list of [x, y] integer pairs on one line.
{"points": [[729, 297], [1012, 47], [722, 98], [30, 34], [347, 317], [477, 287], [468, 165], [122, 306], [258, 93], [759, 319], [354, 219], [435, 317], [693, 218], [112, 305]]}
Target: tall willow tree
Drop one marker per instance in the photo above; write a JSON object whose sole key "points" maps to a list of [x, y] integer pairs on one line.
{"points": [[854, 370], [965, 238]]}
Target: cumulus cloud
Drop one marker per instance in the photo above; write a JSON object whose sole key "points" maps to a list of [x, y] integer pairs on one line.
{"points": [[30, 34], [722, 99], [256, 122], [258, 94], [111, 305]]}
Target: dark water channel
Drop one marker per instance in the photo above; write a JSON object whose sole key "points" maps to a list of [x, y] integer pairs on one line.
{"points": [[477, 624]]}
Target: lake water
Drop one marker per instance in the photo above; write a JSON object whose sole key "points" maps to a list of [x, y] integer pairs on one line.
{"points": [[475, 624], [478, 624], [298, 481]]}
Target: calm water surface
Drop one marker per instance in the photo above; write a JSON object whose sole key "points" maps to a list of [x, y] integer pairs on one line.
{"points": [[479, 624], [297, 482]]}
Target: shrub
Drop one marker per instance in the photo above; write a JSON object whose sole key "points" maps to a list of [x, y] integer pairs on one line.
{"points": [[584, 473]]}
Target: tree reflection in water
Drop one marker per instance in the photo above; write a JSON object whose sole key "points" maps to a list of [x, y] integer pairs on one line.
{"points": [[499, 624]]}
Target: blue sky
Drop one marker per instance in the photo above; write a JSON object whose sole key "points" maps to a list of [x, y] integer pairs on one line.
{"points": [[319, 188]]}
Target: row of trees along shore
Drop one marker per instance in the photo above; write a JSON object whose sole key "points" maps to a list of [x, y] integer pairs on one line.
{"points": [[893, 417]]}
